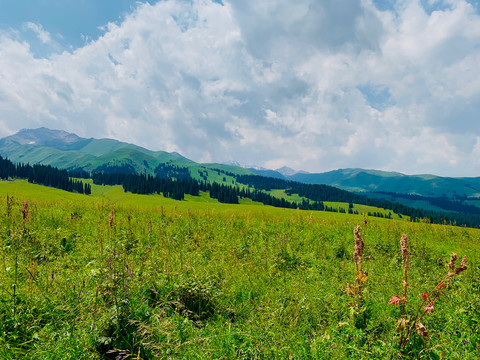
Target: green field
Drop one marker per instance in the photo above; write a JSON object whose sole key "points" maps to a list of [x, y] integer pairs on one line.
{"points": [[116, 275]]}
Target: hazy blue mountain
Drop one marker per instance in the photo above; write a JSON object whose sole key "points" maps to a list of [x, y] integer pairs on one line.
{"points": [[360, 180]]}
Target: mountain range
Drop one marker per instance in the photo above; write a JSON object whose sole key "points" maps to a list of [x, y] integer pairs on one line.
{"points": [[69, 151]]}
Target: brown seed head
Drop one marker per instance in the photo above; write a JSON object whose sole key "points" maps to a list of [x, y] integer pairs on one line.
{"points": [[403, 245], [421, 329], [463, 265], [451, 264], [25, 212], [359, 245], [111, 218]]}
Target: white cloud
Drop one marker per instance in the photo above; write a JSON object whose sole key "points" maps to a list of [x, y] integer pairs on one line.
{"points": [[42, 34], [273, 83]]}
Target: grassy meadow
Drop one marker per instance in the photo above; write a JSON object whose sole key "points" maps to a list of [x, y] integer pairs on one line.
{"points": [[117, 276]]}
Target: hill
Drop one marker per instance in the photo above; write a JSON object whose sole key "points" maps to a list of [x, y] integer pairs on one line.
{"points": [[360, 180], [69, 151]]}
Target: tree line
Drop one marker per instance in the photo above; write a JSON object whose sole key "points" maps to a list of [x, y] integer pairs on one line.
{"points": [[442, 202], [330, 193], [43, 175], [230, 194], [149, 184], [168, 171], [176, 188]]}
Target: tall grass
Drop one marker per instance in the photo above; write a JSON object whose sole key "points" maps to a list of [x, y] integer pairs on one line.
{"points": [[101, 280]]}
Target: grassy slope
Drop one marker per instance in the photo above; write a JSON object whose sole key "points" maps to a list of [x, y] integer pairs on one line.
{"points": [[264, 283], [116, 195], [47, 156], [228, 168], [93, 153]]}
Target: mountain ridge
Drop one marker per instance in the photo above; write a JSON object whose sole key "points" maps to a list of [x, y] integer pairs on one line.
{"points": [[66, 150]]}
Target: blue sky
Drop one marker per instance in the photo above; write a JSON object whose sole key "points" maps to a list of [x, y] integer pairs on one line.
{"points": [[312, 84], [70, 23]]}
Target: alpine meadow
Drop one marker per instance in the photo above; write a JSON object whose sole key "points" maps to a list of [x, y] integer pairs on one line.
{"points": [[239, 180], [115, 275]]}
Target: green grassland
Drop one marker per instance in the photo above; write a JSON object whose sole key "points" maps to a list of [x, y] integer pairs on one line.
{"points": [[361, 209], [281, 194], [116, 275], [212, 175], [365, 209]]}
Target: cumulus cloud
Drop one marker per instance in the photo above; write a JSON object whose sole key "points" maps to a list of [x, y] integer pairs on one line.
{"points": [[313, 85]]}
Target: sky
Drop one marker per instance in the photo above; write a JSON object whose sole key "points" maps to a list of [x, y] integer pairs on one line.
{"points": [[315, 85]]}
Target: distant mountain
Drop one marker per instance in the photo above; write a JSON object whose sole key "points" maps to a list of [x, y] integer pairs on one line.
{"points": [[267, 173], [360, 180], [69, 151], [44, 137], [232, 163], [286, 171], [255, 167], [377, 181]]}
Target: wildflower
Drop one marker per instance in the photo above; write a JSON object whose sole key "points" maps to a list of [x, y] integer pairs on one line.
{"points": [[128, 269], [403, 245], [395, 300], [358, 259], [429, 308], [429, 298], [25, 212]]}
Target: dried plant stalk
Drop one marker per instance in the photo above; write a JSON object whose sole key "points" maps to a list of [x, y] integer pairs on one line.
{"points": [[358, 259], [406, 327]]}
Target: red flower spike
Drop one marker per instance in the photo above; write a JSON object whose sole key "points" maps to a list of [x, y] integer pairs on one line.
{"points": [[395, 300], [429, 308]]}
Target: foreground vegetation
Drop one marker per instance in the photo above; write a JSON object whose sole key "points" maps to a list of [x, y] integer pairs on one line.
{"points": [[116, 275]]}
